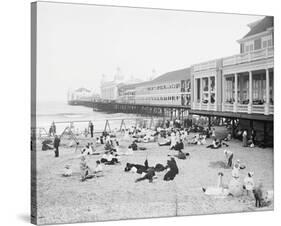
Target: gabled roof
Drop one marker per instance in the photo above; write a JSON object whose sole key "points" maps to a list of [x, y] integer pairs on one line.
{"points": [[261, 26], [82, 89], [177, 75]]}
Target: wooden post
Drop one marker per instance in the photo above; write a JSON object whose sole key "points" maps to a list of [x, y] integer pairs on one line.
{"points": [[209, 122], [233, 128], [265, 132]]}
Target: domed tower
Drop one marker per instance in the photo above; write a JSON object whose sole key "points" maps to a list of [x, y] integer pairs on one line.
{"points": [[118, 77]]}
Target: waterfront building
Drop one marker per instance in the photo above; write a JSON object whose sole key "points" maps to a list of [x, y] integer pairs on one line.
{"points": [[206, 85], [82, 94], [248, 76], [172, 88]]}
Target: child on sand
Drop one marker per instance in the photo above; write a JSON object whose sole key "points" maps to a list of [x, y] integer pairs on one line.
{"points": [[84, 168], [249, 183], [67, 172]]}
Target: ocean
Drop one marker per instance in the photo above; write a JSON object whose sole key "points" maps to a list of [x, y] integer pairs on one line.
{"points": [[62, 114]]}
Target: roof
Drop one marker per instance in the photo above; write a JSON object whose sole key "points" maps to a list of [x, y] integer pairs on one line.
{"points": [[82, 89], [261, 26], [177, 75]]}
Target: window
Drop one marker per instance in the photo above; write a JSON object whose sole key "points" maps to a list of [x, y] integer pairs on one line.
{"points": [[242, 48], [269, 42], [257, 44]]}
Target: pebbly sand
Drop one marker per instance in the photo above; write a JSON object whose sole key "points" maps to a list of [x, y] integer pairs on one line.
{"points": [[116, 196]]}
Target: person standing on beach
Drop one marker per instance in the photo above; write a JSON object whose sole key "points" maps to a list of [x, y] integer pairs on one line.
{"points": [[91, 127], [245, 139], [53, 126], [56, 145], [214, 133]]}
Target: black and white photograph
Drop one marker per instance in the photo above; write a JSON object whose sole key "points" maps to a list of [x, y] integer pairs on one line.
{"points": [[147, 112]]}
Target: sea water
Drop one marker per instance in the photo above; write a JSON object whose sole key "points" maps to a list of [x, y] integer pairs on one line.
{"points": [[63, 114]]}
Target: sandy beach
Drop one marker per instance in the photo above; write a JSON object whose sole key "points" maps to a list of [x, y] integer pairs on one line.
{"points": [[116, 196]]}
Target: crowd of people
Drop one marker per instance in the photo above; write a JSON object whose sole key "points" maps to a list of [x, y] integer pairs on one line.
{"points": [[173, 135]]}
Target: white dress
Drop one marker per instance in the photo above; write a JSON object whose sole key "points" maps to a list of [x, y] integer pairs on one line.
{"points": [[218, 190]]}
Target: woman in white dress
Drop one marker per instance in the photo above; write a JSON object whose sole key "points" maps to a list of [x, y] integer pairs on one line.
{"points": [[235, 186], [219, 190]]}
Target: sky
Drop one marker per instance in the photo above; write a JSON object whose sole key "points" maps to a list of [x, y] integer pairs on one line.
{"points": [[77, 44]]}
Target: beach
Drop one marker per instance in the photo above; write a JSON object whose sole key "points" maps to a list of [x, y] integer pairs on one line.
{"points": [[116, 196]]}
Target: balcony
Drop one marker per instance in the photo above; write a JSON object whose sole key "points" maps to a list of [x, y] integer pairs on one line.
{"points": [[244, 108], [248, 57], [205, 66]]}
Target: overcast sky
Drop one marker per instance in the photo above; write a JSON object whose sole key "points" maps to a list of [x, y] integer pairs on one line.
{"points": [[79, 43]]}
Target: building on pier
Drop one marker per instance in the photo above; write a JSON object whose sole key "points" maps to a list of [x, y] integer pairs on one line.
{"points": [[240, 83]]}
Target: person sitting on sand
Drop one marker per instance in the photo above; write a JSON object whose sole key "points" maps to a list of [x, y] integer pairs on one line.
{"points": [[172, 168], [201, 139], [179, 146], [87, 150], [98, 168], [228, 157], [249, 183], [194, 140], [84, 168], [217, 144], [219, 190], [67, 172], [173, 141], [228, 137]]}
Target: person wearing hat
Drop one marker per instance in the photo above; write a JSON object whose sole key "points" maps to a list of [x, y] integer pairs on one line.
{"points": [[235, 186], [249, 183], [56, 145]]}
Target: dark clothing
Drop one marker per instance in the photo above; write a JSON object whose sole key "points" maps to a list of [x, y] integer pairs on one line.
{"points": [[229, 163], [179, 146], [149, 175], [134, 146], [91, 127], [171, 174], [56, 146]]}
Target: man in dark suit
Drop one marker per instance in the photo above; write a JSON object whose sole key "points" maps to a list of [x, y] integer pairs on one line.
{"points": [[56, 146], [91, 127]]}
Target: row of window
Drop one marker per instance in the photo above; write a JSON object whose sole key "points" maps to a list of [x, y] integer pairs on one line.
{"points": [[259, 43]]}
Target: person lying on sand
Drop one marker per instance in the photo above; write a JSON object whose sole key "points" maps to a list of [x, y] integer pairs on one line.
{"points": [[166, 142], [181, 155], [147, 176]]}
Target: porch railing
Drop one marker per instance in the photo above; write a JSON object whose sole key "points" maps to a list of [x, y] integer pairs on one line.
{"points": [[247, 57], [242, 108], [258, 109]]}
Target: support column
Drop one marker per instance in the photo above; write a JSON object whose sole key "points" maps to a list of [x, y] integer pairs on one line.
{"points": [[250, 104], [209, 93], [223, 92], [216, 92], [194, 93], [266, 110], [235, 92], [201, 92]]}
